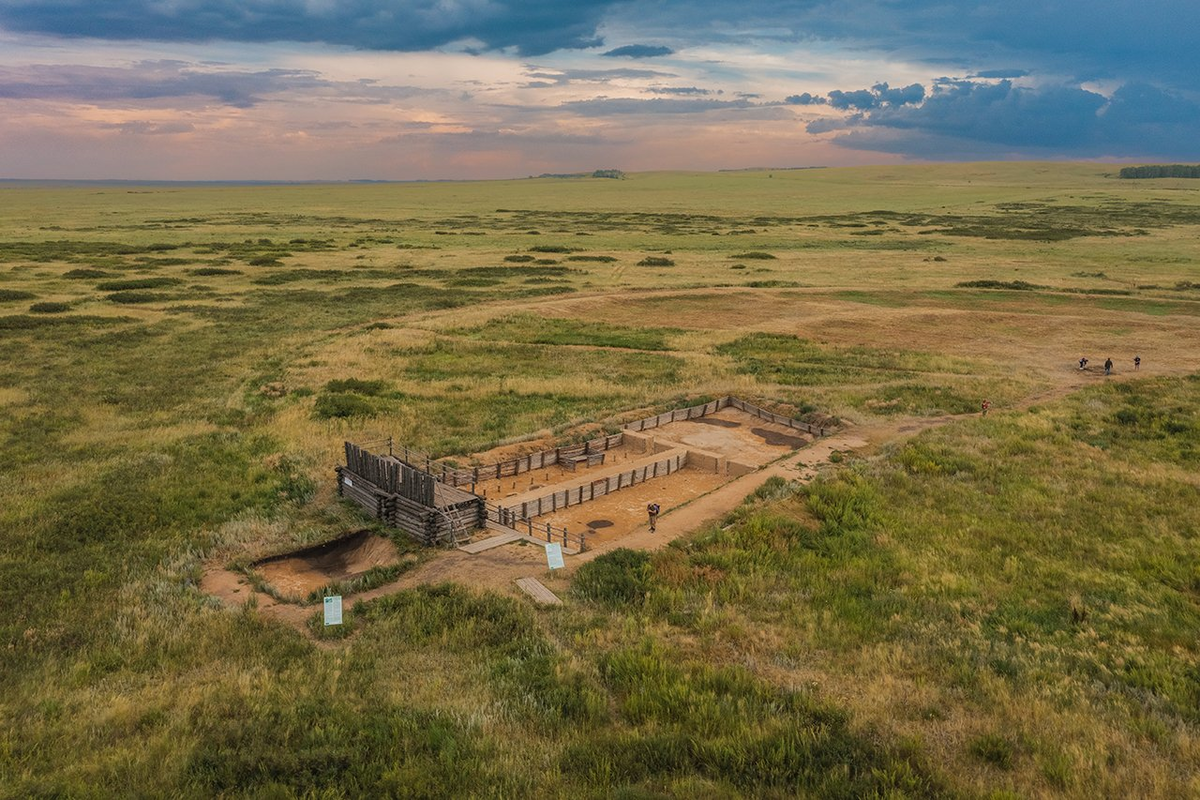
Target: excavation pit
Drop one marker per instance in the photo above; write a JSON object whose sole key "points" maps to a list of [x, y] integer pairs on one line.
{"points": [[301, 572]]}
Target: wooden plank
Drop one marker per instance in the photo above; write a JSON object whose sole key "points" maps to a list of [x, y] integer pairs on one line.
{"points": [[540, 594], [490, 543]]}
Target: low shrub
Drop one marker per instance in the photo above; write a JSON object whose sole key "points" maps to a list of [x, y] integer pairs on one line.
{"points": [[212, 271], [519, 259], [83, 274], [133, 298], [754, 254], [655, 261], [137, 283], [342, 406], [619, 578], [356, 386], [49, 308], [7, 295]]}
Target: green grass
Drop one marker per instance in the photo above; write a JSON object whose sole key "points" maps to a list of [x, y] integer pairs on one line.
{"points": [[535, 330], [1001, 606]]}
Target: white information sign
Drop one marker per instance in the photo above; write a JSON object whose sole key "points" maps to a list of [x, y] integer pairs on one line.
{"points": [[333, 610], [346, 480], [554, 558]]}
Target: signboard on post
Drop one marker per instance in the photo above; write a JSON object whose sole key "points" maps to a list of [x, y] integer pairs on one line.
{"points": [[554, 557], [333, 610]]}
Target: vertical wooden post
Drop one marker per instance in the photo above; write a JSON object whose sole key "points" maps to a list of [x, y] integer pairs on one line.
{"points": [[547, 531], [529, 526]]}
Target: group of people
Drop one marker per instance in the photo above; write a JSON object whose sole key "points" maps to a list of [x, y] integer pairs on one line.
{"points": [[1083, 362], [1108, 364]]}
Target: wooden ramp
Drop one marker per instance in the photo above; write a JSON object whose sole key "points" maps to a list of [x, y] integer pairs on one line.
{"points": [[540, 594], [490, 542]]}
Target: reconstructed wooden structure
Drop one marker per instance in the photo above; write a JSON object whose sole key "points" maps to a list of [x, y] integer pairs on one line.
{"points": [[409, 498], [411, 491]]}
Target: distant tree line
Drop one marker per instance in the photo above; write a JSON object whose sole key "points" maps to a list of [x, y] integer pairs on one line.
{"points": [[600, 173], [1162, 171]]}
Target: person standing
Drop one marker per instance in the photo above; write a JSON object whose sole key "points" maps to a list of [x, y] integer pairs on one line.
{"points": [[1108, 366], [652, 513], [987, 404], [1083, 363], [1137, 362]]}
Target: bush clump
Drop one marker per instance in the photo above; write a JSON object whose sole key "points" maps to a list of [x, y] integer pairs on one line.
{"points": [[754, 254], [521, 259], [134, 298], [619, 578], [1020, 286], [83, 274], [213, 271], [49, 308], [655, 261], [342, 406], [356, 386], [552, 248], [137, 283], [7, 295]]}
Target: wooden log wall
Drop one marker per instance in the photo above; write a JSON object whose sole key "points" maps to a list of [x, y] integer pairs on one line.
{"points": [[597, 488], [391, 475]]}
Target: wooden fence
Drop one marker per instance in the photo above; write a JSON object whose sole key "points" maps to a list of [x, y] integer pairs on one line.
{"points": [[695, 412], [666, 418], [532, 461], [597, 488], [538, 530], [778, 419]]}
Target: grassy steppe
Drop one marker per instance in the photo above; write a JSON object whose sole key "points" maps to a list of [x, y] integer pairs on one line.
{"points": [[999, 605]]}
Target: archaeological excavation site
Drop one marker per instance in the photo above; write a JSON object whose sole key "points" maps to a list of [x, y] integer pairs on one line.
{"points": [[577, 496]]}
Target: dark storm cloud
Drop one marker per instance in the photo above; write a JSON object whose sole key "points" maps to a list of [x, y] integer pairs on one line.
{"points": [[165, 80], [878, 96], [805, 99], [533, 27], [639, 51], [964, 118]]}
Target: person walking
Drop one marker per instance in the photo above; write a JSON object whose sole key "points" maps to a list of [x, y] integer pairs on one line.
{"points": [[1137, 362], [987, 404], [1083, 363], [1108, 366], [652, 513]]}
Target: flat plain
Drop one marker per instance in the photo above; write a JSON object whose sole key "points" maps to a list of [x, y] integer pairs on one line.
{"points": [[959, 605]]}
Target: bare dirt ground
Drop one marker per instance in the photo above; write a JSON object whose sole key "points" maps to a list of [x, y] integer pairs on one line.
{"points": [[734, 434], [307, 570]]}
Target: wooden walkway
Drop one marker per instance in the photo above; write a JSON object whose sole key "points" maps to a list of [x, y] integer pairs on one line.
{"points": [[540, 594], [490, 542]]}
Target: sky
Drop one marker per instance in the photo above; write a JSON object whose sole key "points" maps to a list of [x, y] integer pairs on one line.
{"points": [[477, 89]]}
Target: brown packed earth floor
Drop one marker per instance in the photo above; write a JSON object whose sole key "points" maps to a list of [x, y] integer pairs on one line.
{"points": [[550, 478], [739, 436], [626, 510], [734, 434], [310, 569]]}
